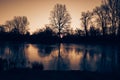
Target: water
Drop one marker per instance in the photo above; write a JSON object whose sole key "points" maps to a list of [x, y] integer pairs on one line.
{"points": [[83, 57]]}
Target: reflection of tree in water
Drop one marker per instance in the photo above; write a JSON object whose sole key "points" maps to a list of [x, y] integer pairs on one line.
{"points": [[78, 50], [83, 62], [90, 60], [93, 60], [14, 55], [2, 48], [111, 56], [3, 56], [60, 61], [114, 58], [45, 50], [102, 60], [92, 53], [118, 57]]}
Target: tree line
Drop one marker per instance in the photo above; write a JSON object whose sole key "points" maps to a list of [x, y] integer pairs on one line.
{"points": [[106, 18], [101, 24]]}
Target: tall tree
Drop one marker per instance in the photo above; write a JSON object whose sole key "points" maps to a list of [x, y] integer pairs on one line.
{"points": [[85, 18], [112, 5], [118, 15], [60, 18], [102, 14], [18, 24]]}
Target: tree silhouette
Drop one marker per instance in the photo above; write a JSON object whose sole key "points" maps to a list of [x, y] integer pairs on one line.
{"points": [[18, 25], [2, 29], [102, 13], [118, 15], [79, 32], [112, 5], [60, 18], [85, 18], [94, 32]]}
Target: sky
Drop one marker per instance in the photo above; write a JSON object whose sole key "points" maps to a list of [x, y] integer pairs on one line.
{"points": [[38, 11]]}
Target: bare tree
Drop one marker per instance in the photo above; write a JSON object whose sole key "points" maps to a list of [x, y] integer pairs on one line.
{"points": [[114, 15], [102, 13], [18, 24], [113, 7], [85, 18], [118, 15], [60, 18]]}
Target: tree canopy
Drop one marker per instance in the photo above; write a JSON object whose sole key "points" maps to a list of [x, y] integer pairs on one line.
{"points": [[60, 18], [18, 25]]}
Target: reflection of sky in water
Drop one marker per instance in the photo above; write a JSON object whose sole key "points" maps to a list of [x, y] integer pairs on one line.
{"points": [[71, 56]]}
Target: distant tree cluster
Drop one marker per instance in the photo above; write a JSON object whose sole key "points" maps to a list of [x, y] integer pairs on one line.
{"points": [[15, 29], [104, 19], [45, 35], [18, 25]]}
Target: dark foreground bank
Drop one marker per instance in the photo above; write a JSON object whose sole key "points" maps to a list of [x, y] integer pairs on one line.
{"points": [[26, 74]]}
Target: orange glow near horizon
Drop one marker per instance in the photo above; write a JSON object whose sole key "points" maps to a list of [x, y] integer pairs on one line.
{"points": [[38, 11]]}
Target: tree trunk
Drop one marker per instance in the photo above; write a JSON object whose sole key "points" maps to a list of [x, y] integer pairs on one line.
{"points": [[86, 30], [103, 28], [118, 33]]}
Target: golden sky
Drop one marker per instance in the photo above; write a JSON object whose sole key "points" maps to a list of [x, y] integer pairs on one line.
{"points": [[38, 11]]}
